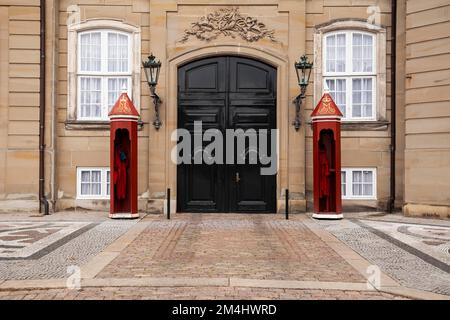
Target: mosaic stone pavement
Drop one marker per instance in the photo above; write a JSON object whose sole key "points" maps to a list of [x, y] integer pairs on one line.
{"points": [[432, 240], [416, 255], [415, 252], [44, 250], [28, 240]]}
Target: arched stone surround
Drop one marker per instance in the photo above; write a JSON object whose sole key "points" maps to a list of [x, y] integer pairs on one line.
{"points": [[276, 60]]}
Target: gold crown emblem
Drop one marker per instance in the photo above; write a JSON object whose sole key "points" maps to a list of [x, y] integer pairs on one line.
{"points": [[326, 106], [123, 106]]}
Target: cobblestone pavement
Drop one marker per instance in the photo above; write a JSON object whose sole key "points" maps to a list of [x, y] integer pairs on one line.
{"points": [[45, 249], [413, 251], [244, 246], [194, 293]]}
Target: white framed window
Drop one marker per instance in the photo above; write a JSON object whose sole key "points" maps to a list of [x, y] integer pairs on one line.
{"points": [[93, 183], [103, 58], [104, 70], [359, 183], [349, 72]]}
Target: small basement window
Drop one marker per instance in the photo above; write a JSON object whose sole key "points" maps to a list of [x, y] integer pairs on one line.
{"points": [[93, 183], [359, 183]]}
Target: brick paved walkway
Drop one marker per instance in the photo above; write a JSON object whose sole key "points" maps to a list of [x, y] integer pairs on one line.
{"points": [[223, 256], [193, 293], [252, 247]]}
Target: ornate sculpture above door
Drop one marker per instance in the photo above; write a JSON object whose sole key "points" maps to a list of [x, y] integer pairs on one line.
{"points": [[228, 22]]}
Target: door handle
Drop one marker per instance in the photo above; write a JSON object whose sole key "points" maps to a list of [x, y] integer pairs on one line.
{"points": [[237, 177]]}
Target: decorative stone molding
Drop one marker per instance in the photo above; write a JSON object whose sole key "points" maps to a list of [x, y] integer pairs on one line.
{"points": [[93, 125], [228, 22], [72, 50], [274, 58], [380, 123]]}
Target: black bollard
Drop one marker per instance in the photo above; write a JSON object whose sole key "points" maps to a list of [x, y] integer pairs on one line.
{"points": [[168, 203], [287, 204]]}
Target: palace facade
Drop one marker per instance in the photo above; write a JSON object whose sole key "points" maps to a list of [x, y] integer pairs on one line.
{"points": [[230, 64]]}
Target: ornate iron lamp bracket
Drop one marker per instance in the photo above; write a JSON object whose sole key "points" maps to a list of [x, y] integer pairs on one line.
{"points": [[298, 104], [156, 102], [152, 69], [303, 69]]}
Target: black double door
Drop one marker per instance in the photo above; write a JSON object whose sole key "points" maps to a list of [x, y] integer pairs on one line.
{"points": [[227, 93]]}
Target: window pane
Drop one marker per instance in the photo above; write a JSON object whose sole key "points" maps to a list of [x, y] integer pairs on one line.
{"points": [[362, 97], [96, 179], [115, 87], [335, 53], [108, 186], [112, 52], [357, 39], [117, 52], [331, 84], [85, 188], [368, 183], [367, 190], [357, 183], [96, 176], [90, 51], [362, 48], [357, 176], [85, 176], [337, 88], [90, 97], [357, 189], [356, 98], [123, 52], [331, 50], [341, 95], [367, 97], [357, 52], [367, 53], [340, 62], [85, 182], [343, 183], [367, 177], [367, 84], [96, 189]]}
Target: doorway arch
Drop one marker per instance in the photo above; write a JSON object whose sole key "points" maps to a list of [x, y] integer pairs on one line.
{"points": [[275, 59]]}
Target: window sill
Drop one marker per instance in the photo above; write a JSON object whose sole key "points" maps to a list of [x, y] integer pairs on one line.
{"points": [[93, 198], [93, 125], [357, 198], [380, 125]]}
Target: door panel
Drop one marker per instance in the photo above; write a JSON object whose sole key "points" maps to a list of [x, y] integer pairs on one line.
{"points": [[252, 77], [198, 188], [204, 76], [226, 93], [252, 192]]}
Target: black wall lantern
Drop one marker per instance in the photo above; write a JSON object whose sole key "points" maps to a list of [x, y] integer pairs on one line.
{"points": [[303, 69], [152, 69]]}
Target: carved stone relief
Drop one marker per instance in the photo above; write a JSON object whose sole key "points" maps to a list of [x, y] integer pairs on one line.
{"points": [[228, 22]]}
